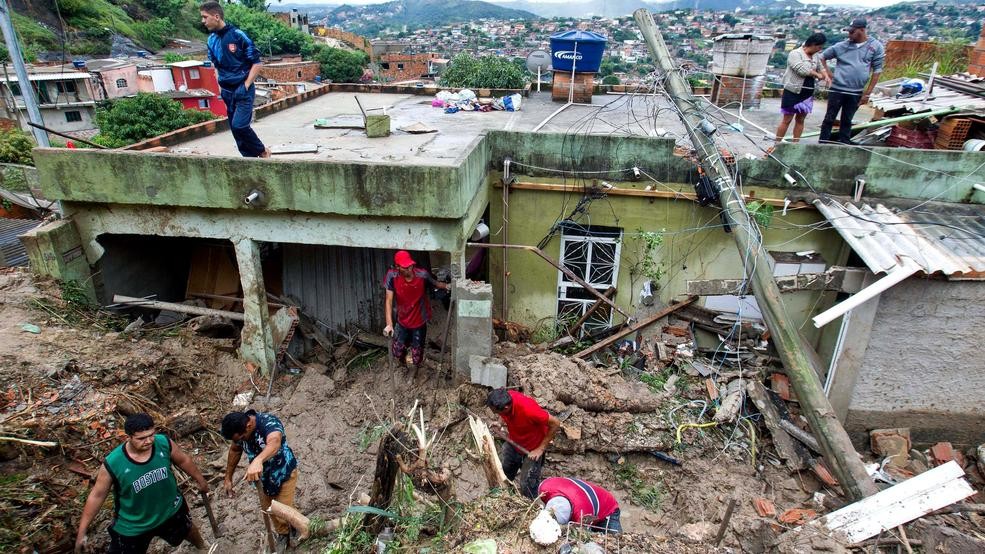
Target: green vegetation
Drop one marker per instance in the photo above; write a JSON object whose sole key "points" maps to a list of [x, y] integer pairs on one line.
{"points": [[341, 66], [129, 120], [641, 492], [171, 57], [15, 147], [370, 435], [647, 245], [951, 55], [610, 80], [761, 212], [270, 35], [467, 71]]}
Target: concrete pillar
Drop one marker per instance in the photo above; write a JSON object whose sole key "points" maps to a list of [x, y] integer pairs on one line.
{"points": [[257, 341], [457, 264], [55, 250], [473, 322]]}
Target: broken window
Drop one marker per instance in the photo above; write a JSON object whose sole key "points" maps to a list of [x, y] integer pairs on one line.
{"points": [[592, 254], [66, 86]]}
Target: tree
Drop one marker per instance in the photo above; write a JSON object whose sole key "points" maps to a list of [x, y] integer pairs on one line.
{"points": [[15, 147], [730, 20], [467, 71], [340, 66], [129, 120], [270, 35], [610, 80]]}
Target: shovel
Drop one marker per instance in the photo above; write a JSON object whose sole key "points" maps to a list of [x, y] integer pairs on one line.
{"points": [[528, 464], [271, 542]]}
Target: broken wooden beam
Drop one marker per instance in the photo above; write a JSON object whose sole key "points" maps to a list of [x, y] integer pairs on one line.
{"points": [[633, 328], [835, 278], [171, 306], [785, 446], [489, 456], [801, 435], [920, 495]]}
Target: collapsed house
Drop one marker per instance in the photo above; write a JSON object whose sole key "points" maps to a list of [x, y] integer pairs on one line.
{"points": [[181, 217]]}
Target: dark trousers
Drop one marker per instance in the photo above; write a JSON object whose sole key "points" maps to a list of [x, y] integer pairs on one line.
{"points": [[239, 109], [413, 338], [512, 460], [847, 103], [610, 524]]}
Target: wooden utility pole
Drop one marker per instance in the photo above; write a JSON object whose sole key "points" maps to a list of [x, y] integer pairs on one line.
{"points": [[797, 356]]}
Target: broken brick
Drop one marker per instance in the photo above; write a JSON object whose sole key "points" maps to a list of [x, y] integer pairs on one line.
{"points": [[891, 443], [941, 453], [797, 516], [781, 385], [823, 473], [764, 507], [677, 331]]}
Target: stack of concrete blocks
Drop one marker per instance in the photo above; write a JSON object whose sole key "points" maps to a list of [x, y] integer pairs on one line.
{"points": [[473, 323]]}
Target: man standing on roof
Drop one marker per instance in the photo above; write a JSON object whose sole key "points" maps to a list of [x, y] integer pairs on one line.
{"points": [[147, 502], [237, 62], [582, 502], [859, 61], [530, 429], [272, 462], [410, 287]]}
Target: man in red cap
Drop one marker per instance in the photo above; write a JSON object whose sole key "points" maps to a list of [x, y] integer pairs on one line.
{"points": [[410, 286]]}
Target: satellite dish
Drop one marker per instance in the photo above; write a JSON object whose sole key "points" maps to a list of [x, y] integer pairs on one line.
{"points": [[538, 60]]}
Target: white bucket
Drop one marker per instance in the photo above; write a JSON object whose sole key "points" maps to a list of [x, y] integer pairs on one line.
{"points": [[974, 145]]}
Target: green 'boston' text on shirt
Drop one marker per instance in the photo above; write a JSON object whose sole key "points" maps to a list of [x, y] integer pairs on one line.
{"points": [[146, 494]]}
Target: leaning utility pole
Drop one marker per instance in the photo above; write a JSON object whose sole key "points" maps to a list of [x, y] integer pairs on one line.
{"points": [[796, 355], [27, 92]]}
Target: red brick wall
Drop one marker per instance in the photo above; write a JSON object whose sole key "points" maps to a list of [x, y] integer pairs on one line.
{"points": [[584, 85], [403, 67], [976, 61], [733, 90], [355, 40], [288, 72], [900, 53]]}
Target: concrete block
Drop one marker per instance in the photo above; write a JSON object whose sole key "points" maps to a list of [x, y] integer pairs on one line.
{"points": [[489, 372], [473, 322], [55, 250], [377, 126], [892, 443]]}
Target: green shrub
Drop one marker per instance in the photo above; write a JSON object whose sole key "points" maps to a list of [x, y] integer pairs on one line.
{"points": [[340, 66], [129, 120], [467, 71], [15, 147]]}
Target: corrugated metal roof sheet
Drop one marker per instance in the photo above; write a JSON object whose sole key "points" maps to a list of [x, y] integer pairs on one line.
{"points": [[12, 252], [60, 76], [942, 99], [945, 244], [339, 286]]}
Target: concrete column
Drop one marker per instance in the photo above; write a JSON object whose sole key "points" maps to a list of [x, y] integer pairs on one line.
{"points": [[473, 322], [55, 250], [458, 263], [257, 341]]}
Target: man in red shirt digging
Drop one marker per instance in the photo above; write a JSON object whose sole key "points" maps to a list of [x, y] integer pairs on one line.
{"points": [[530, 428], [410, 287]]}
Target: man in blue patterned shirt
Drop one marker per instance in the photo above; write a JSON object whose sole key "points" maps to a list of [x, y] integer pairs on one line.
{"points": [[262, 437], [237, 62]]}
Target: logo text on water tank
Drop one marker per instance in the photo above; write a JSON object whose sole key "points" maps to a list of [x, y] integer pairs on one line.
{"points": [[567, 55]]}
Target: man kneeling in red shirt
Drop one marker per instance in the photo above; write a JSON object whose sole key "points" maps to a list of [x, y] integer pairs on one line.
{"points": [[582, 502], [530, 427]]}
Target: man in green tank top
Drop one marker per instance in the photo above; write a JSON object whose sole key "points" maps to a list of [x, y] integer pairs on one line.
{"points": [[147, 502]]}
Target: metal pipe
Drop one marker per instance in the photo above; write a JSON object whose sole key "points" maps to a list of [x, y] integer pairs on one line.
{"points": [[891, 120], [567, 272], [901, 273], [70, 137]]}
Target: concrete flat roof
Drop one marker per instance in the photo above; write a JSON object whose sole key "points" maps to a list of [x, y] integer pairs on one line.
{"points": [[611, 114]]}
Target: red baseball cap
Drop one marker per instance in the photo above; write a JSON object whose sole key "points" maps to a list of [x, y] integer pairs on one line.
{"points": [[402, 258]]}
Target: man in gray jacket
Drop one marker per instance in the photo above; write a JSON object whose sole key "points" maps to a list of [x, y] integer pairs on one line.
{"points": [[859, 63]]}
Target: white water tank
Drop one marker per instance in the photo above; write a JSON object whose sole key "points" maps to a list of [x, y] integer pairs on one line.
{"points": [[741, 55]]}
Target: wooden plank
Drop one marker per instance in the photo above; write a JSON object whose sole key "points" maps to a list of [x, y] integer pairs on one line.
{"points": [[931, 490], [645, 323], [784, 444], [664, 194], [836, 278], [279, 149]]}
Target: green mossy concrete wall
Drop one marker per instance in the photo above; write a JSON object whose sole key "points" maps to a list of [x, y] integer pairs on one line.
{"points": [[213, 182]]}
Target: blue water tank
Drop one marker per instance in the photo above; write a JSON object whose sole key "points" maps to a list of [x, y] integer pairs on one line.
{"points": [[79, 64], [583, 49]]}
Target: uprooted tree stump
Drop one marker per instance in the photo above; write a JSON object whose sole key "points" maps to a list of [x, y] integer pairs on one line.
{"points": [[491, 465], [399, 451]]}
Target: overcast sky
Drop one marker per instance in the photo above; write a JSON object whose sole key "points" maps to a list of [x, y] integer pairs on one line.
{"points": [[855, 3]]}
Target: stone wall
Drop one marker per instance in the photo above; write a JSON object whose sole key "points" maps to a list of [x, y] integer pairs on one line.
{"points": [[923, 367], [290, 72]]}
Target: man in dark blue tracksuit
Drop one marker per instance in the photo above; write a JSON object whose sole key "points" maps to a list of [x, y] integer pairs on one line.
{"points": [[237, 62]]}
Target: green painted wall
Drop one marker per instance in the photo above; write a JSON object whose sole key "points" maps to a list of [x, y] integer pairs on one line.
{"points": [[695, 247]]}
